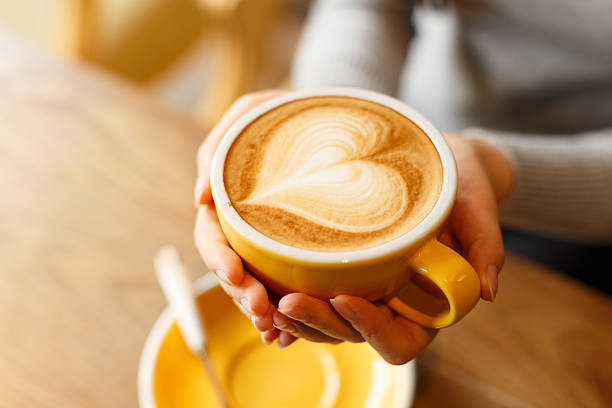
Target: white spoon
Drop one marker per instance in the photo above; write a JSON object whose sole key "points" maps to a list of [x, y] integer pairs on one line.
{"points": [[175, 284]]}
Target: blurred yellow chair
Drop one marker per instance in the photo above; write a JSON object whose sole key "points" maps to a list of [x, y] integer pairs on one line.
{"points": [[58, 25], [148, 41], [240, 30]]}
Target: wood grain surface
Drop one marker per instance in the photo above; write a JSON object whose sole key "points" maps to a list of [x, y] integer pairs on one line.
{"points": [[95, 176]]}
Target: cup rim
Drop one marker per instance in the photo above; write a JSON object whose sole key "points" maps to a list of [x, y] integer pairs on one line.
{"points": [[146, 366], [429, 224]]}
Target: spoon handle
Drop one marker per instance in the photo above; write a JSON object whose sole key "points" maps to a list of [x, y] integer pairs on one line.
{"points": [[175, 284]]}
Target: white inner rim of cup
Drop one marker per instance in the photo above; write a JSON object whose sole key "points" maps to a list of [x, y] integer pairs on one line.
{"points": [[429, 223]]}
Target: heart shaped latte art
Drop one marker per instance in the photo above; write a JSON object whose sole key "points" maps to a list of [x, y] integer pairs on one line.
{"points": [[326, 176], [332, 174]]}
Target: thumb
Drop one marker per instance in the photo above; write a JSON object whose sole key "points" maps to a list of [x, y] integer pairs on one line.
{"points": [[474, 221], [396, 339]]}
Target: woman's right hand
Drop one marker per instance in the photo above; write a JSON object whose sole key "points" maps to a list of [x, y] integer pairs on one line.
{"points": [[247, 292]]}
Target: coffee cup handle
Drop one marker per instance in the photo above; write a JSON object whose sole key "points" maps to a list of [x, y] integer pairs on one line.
{"points": [[457, 281]]}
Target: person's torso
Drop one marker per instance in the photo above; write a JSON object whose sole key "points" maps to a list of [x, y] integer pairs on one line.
{"points": [[541, 65]]}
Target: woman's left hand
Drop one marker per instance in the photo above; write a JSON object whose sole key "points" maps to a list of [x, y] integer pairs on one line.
{"points": [[485, 178]]}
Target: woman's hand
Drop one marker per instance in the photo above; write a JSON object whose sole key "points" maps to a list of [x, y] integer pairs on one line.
{"points": [[249, 295], [484, 177]]}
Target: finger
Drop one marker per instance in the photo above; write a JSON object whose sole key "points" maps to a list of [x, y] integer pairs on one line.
{"points": [[299, 329], [226, 264], [269, 336], [245, 312], [285, 339], [475, 222], [396, 339], [252, 296], [319, 315], [208, 148], [214, 249], [448, 239], [264, 323], [386, 310]]}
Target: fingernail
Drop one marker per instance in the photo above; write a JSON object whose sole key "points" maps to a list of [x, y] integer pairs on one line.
{"points": [[226, 288], [263, 339], [281, 307], [288, 327], [283, 323], [279, 343], [253, 318], [245, 303], [223, 277], [492, 272], [287, 311], [346, 312]]}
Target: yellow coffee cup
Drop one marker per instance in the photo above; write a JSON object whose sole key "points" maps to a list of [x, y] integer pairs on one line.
{"points": [[384, 272]]}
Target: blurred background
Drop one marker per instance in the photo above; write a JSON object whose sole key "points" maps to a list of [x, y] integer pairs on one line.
{"points": [[200, 55], [85, 206], [197, 55]]}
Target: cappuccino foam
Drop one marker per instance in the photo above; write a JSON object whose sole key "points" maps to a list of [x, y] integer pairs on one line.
{"points": [[333, 174]]}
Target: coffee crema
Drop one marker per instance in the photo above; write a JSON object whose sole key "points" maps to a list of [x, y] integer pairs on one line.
{"points": [[331, 173]]}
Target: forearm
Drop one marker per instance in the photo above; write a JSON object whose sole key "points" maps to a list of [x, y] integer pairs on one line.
{"points": [[358, 43], [562, 184]]}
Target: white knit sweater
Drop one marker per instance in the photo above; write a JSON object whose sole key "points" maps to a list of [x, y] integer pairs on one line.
{"points": [[541, 71]]}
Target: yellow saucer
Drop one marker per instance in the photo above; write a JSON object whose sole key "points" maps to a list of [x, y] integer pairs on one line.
{"points": [[303, 375]]}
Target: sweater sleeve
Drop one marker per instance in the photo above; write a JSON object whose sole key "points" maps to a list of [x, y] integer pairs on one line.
{"points": [[357, 43], [563, 184]]}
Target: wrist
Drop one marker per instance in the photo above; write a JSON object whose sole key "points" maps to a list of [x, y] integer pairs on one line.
{"points": [[498, 167]]}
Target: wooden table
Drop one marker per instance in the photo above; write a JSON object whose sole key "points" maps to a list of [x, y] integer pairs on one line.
{"points": [[95, 175]]}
